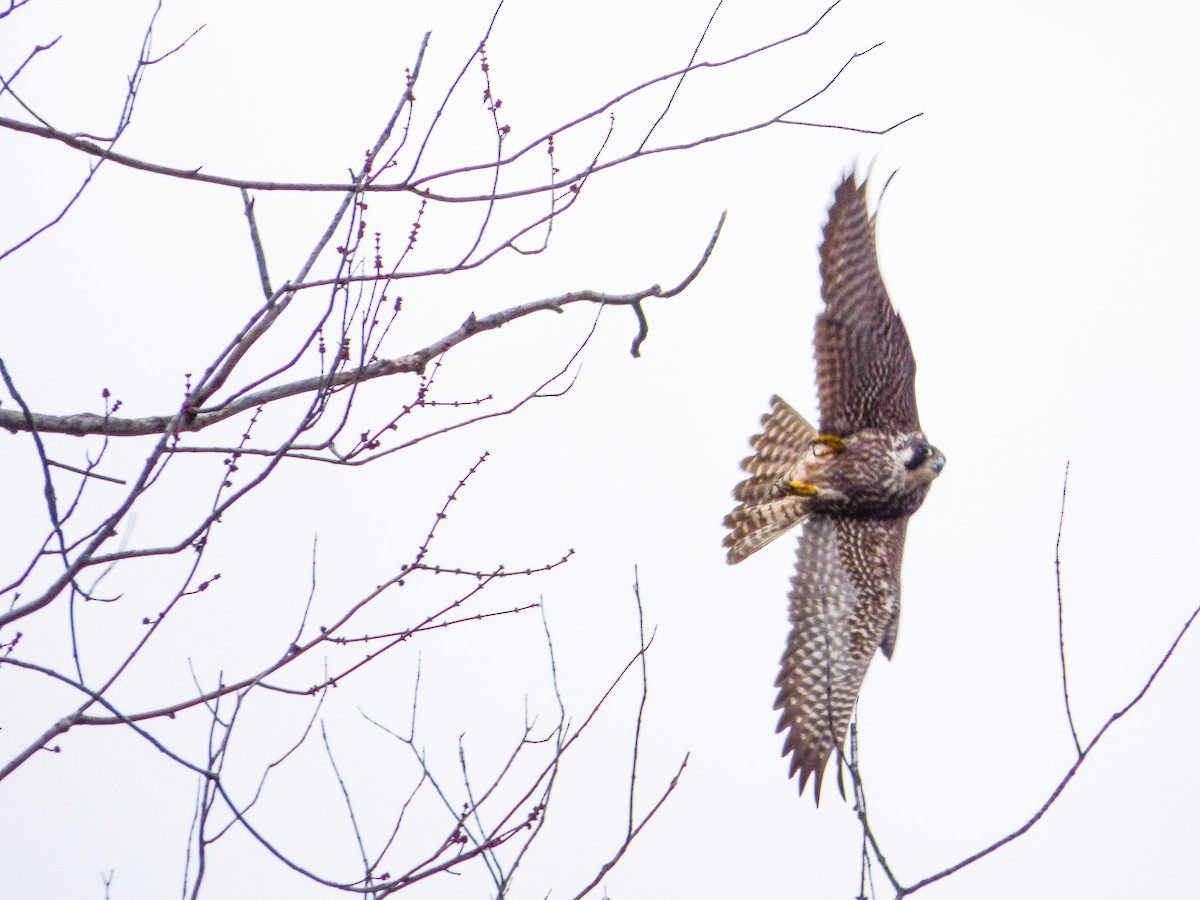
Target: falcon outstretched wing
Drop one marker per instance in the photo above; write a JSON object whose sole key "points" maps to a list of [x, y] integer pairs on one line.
{"points": [[844, 603], [865, 367]]}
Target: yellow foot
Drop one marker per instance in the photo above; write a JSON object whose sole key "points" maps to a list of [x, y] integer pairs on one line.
{"points": [[798, 488], [827, 445]]}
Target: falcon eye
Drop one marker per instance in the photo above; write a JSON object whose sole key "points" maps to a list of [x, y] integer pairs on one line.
{"points": [[918, 455]]}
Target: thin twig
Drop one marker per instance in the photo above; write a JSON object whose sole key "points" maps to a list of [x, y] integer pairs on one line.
{"points": [[86, 473], [260, 255], [1062, 651], [860, 803], [637, 728], [358, 839], [675, 92]]}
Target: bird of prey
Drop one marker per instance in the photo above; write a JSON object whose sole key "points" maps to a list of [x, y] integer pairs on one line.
{"points": [[853, 484]]}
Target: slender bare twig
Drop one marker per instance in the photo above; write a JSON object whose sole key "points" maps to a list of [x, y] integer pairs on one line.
{"points": [[6, 84], [47, 481], [860, 804], [1062, 647], [637, 728], [13, 5], [260, 255], [679, 84], [645, 820], [358, 837], [86, 473]]}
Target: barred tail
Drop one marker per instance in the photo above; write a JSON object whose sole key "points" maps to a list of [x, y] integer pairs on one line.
{"points": [[763, 512]]}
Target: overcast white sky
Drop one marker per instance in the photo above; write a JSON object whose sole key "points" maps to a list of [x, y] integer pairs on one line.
{"points": [[1038, 241]]}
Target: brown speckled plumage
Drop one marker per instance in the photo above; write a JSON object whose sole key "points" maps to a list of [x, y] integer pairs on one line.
{"points": [[865, 366], [853, 486]]}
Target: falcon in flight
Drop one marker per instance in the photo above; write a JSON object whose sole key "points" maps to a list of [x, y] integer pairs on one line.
{"points": [[853, 483]]}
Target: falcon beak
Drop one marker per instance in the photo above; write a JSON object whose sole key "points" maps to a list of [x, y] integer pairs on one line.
{"points": [[937, 460]]}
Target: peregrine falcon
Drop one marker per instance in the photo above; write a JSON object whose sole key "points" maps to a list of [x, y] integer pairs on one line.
{"points": [[853, 484]]}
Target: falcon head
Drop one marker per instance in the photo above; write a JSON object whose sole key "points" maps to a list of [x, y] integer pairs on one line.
{"points": [[922, 460]]}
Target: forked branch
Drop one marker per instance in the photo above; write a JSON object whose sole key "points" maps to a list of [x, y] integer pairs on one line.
{"points": [[870, 840], [81, 424]]}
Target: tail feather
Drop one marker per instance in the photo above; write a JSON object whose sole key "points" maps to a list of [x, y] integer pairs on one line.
{"points": [[753, 527], [764, 512]]}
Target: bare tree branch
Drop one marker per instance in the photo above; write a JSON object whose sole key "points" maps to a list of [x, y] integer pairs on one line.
{"points": [[89, 423], [869, 837], [1066, 779], [416, 185], [296, 374]]}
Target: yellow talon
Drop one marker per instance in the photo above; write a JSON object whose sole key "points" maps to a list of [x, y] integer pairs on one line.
{"points": [[827, 444], [798, 488]]}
